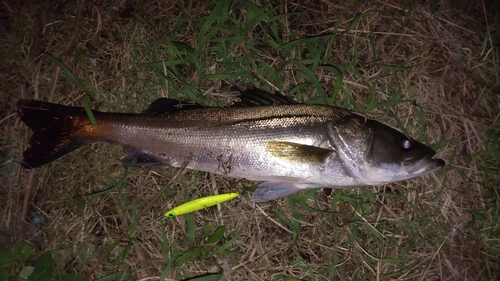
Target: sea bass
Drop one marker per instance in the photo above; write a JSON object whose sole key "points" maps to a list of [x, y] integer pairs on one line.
{"points": [[267, 138]]}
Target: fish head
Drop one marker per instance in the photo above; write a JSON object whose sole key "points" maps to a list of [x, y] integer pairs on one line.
{"points": [[378, 154]]}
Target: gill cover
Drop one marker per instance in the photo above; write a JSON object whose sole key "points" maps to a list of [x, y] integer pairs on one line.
{"points": [[377, 153]]}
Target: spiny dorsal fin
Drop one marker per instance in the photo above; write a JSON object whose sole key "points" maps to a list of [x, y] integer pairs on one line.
{"points": [[298, 152], [248, 97], [163, 105], [255, 97]]}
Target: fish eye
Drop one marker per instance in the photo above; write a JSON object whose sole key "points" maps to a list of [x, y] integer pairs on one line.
{"points": [[406, 144]]}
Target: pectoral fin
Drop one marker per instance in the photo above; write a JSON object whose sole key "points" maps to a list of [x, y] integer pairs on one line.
{"points": [[271, 190], [298, 152]]}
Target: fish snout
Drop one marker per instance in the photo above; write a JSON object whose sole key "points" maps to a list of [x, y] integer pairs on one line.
{"points": [[423, 166]]}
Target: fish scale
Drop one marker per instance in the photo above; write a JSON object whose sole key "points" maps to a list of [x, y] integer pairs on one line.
{"points": [[235, 148], [288, 147]]}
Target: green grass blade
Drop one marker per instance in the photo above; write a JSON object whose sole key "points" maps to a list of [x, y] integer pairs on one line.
{"points": [[65, 70], [112, 276], [312, 77], [189, 256], [227, 245], [293, 225], [89, 112], [353, 24], [394, 68], [288, 47], [209, 277], [373, 231], [162, 64], [218, 14], [119, 184], [144, 21], [192, 92], [165, 245], [190, 229], [287, 278], [22, 251], [295, 214], [354, 234], [336, 89], [216, 236], [72, 277], [44, 268]]}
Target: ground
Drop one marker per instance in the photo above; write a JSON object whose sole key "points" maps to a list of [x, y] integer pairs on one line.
{"points": [[429, 68]]}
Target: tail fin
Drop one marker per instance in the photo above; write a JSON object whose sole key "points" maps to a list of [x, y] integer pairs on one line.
{"points": [[57, 130]]}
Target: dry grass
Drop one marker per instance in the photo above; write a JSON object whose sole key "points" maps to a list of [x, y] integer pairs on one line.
{"points": [[421, 66]]}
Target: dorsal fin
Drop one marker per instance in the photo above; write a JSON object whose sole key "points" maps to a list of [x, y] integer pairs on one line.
{"points": [[163, 105], [255, 97], [248, 97]]}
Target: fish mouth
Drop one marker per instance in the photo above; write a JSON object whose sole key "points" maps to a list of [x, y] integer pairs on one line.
{"points": [[423, 166]]}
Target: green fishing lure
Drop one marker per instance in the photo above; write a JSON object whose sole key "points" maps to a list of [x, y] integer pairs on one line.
{"points": [[200, 203]]}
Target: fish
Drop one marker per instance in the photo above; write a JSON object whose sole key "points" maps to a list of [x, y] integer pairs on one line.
{"points": [[268, 138]]}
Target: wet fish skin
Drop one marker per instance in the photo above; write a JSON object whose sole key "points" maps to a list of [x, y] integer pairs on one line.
{"points": [[287, 146]]}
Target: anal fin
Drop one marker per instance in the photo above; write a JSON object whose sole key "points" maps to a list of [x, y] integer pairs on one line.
{"points": [[141, 159]]}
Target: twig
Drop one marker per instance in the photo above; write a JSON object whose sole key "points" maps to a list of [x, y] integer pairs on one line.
{"points": [[27, 196]]}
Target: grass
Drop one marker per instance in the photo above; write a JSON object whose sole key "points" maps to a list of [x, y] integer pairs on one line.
{"points": [[422, 68]]}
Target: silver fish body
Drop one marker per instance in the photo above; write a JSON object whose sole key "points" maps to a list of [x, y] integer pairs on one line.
{"points": [[289, 147]]}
